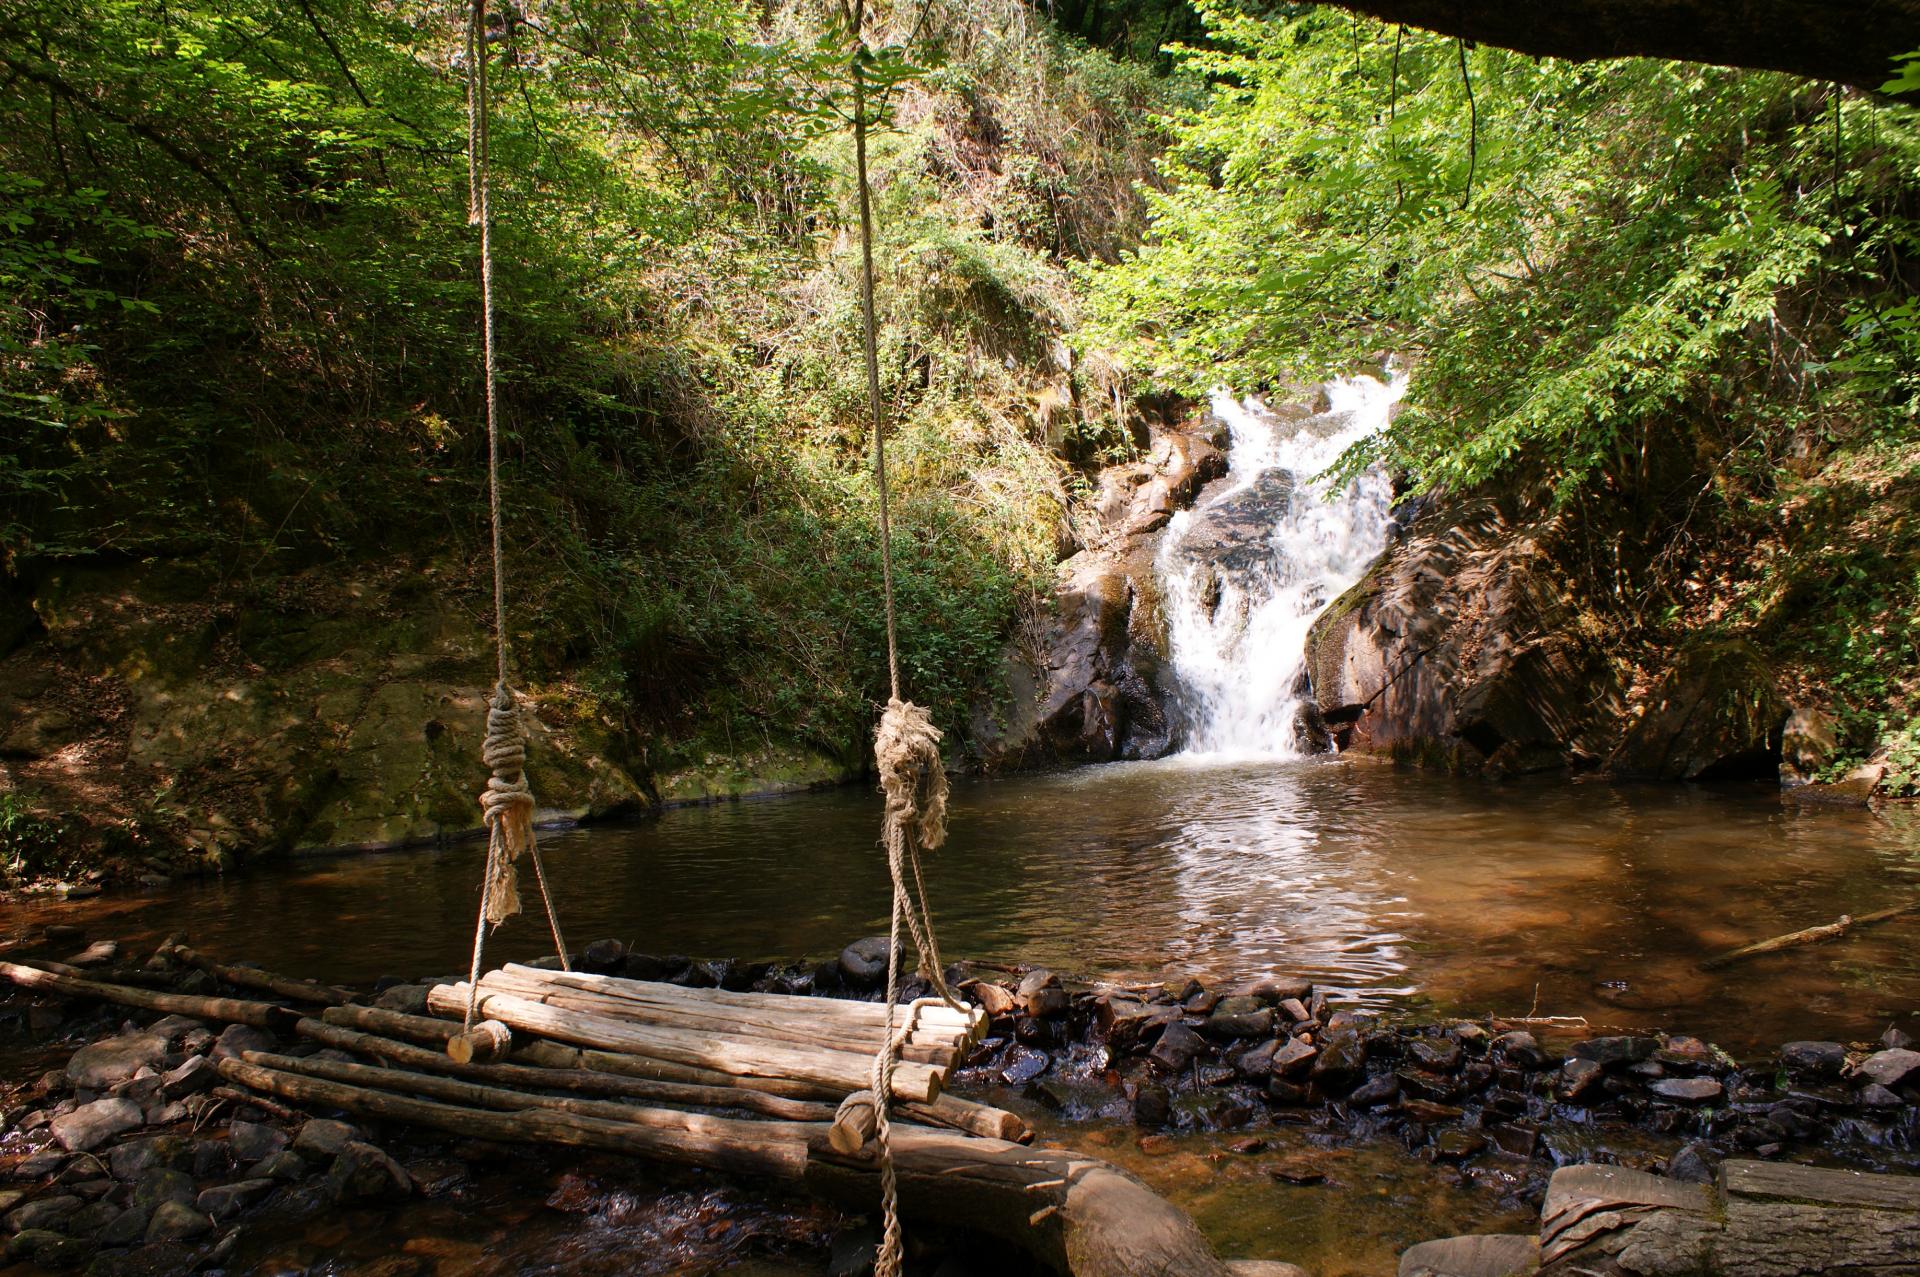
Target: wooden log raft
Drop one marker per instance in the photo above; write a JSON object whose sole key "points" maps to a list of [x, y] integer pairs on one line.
{"points": [[1077, 1214], [738, 1056]]}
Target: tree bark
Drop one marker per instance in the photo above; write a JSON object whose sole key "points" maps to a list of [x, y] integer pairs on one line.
{"points": [[1853, 43]]}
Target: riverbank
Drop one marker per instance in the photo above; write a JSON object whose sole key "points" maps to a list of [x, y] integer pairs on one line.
{"points": [[1283, 1098]]}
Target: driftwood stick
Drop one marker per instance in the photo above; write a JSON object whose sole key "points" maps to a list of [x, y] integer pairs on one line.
{"points": [[266, 981], [264, 1015], [393, 1024], [567, 1077], [743, 1147], [1811, 935]]}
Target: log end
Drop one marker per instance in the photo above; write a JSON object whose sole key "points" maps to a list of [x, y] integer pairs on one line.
{"points": [[484, 1043]]}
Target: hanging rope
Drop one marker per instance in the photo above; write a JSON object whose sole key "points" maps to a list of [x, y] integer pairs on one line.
{"points": [[507, 802], [906, 747]]}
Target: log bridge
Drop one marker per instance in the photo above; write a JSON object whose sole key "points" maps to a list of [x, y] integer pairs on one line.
{"points": [[768, 1086]]}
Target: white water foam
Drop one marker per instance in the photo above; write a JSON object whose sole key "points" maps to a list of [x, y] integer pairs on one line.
{"points": [[1239, 600]]}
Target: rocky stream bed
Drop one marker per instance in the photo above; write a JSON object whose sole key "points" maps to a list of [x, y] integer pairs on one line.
{"points": [[123, 1151]]}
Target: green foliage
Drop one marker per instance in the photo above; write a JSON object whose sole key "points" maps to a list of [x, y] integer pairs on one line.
{"points": [[29, 842]]}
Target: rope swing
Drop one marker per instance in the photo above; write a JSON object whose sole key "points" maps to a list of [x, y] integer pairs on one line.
{"points": [[906, 746], [506, 803]]}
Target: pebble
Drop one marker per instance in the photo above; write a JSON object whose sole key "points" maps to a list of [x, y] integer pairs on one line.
{"points": [[91, 1125], [322, 1138], [1688, 1090]]}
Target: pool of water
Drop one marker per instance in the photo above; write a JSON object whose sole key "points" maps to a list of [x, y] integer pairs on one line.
{"points": [[1395, 888]]}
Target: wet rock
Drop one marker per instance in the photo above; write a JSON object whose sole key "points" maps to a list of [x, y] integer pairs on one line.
{"points": [[1458, 1146], [254, 1141], [1384, 1089], [604, 957], [1440, 1056], [1342, 1061], [91, 1218], [1295, 1010], [40, 1165], [1893, 1039], [126, 1228], [1470, 1036], [1152, 1105], [1696, 1163], [211, 1158], [102, 1064], [863, 964], [1293, 1059], [1292, 1094], [1615, 1051], [227, 1200], [1486, 1255], [363, 1172], [321, 1139], [1688, 1090], [1274, 990], [1176, 1048], [1202, 1002], [1040, 993], [46, 1249], [1257, 1062], [47, 1212], [1427, 1086], [1579, 1078], [1815, 1059], [1429, 1113], [1230, 1025], [1892, 1067], [91, 1125], [236, 1039], [177, 1222], [1024, 1064]]}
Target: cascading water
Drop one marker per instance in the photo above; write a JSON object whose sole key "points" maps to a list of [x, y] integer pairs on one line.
{"points": [[1246, 571]]}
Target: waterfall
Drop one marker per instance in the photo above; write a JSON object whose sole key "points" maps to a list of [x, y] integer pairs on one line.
{"points": [[1247, 570]]}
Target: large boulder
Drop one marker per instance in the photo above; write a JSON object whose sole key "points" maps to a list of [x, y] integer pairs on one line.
{"points": [[1717, 715], [1465, 646]]}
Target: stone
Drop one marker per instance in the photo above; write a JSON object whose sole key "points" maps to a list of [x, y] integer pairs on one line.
{"points": [[407, 999], [253, 1141], [196, 1075], [1615, 1051], [104, 1063], [321, 1138], [91, 1218], [1294, 1009], [1176, 1048], [91, 1125], [1384, 1089], [1274, 990], [212, 1158], [1233, 1025], [1716, 715], [1815, 1059], [177, 1222], [1341, 1063], [363, 1172], [1484, 1255], [863, 964], [1152, 1105], [38, 1246], [227, 1200], [40, 1165], [1438, 1055], [135, 1158], [1458, 1146], [1696, 1163], [999, 1003], [1891, 1067], [1294, 1059], [1893, 1039], [1265, 1268], [1688, 1090], [47, 1212], [163, 1185], [126, 1228], [1024, 1064], [1875, 1096], [285, 1167], [238, 1038], [1578, 1078], [604, 957], [1257, 1062]]}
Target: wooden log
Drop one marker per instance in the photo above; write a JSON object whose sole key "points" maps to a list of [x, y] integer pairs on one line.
{"points": [[485, 1042], [558, 1055], [568, 1077], [970, 1116], [479, 1095], [1810, 935], [798, 1018], [743, 1147], [264, 1015], [739, 1056], [939, 1049], [266, 981], [393, 1024], [845, 1008], [854, 1123], [1075, 1214]]}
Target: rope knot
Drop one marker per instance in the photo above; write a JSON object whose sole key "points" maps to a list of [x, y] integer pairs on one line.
{"points": [[906, 750], [506, 805]]}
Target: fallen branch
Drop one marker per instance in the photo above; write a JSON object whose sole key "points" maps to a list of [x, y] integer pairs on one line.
{"points": [[266, 981], [264, 1015], [1810, 935]]}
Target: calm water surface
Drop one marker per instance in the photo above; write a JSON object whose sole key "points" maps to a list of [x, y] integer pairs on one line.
{"points": [[1395, 888]]}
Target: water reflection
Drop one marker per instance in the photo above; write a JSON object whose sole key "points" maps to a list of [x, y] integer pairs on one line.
{"points": [[1578, 899]]}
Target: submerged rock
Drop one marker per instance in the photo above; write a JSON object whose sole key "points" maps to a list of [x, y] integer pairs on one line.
{"points": [[1717, 715]]}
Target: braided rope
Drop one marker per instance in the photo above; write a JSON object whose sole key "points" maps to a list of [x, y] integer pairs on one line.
{"points": [[507, 802]]}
